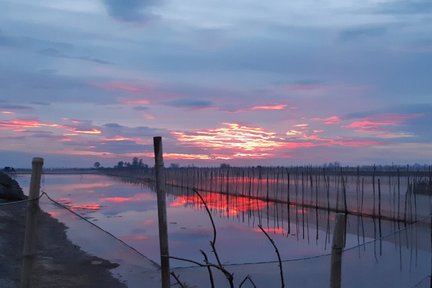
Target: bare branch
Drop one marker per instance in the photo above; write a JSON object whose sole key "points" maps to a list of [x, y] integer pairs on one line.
{"points": [[177, 278], [208, 269], [227, 274], [200, 264], [278, 255], [209, 214]]}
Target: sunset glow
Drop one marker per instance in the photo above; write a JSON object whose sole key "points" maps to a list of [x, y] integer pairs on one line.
{"points": [[270, 107], [224, 87], [90, 131], [136, 198], [278, 230], [218, 202], [20, 124], [84, 207], [231, 136]]}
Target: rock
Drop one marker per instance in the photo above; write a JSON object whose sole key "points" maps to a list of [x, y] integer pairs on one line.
{"points": [[10, 189]]}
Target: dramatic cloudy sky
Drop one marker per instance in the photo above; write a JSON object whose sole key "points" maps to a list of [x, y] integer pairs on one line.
{"points": [[244, 82]]}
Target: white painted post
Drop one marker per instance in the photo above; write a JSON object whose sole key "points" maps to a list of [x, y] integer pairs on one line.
{"points": [[337, 249], [30, 238], [162, 215]]}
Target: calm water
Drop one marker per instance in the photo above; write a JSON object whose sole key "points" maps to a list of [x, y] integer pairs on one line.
{"points": [[129, 212]]}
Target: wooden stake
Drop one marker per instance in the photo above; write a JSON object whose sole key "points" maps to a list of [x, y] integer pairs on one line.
{"points": [[162, 215], [30, 238], [337, 249]]}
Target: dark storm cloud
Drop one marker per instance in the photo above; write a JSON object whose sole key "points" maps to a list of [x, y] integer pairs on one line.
{"points": [[130, 10]]}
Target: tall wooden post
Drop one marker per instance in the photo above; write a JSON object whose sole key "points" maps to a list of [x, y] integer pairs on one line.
{"points": [[162, 215], [337, 248], [30, 238]]}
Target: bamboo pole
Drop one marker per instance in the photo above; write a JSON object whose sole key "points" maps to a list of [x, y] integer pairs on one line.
{"points": [[30, 238], [162, 215], [337, 249]]}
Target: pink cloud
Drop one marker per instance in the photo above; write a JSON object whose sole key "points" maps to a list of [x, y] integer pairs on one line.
{"points": [[329, 120], [128, 101], [123, 87], [20, 124], [379, 122], [269, 107]]}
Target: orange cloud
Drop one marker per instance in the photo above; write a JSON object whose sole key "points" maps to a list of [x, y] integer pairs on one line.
{"points": [[233, 136], [85, 131], [119, 138], [270, 107], [21, 124]]}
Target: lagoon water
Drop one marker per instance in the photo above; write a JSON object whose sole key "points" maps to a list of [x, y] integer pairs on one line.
{"points": [[129, 212]]}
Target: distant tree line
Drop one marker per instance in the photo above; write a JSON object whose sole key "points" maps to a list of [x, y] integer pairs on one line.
{"points": [[135, 164]]}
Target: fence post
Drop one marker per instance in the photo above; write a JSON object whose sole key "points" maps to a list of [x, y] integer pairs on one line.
{"points": [[30, 238], [337, 248], [162, 215]]}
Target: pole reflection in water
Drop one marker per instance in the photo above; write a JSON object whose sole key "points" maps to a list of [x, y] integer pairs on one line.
{"points": [[126, 210]]}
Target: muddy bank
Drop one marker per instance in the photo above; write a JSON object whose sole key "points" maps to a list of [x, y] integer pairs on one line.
{"points": [[59, 263]]}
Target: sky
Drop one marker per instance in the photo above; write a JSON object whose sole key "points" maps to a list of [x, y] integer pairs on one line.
{"points": [[239, 82]]}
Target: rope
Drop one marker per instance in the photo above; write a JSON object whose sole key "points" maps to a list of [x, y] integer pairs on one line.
{"points": [[230, 264], [22, 201], [98, 227], [321, 255], [10, 203], [421, 282]]}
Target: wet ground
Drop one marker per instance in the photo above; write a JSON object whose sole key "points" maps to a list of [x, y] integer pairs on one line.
{"points": [[58, 262]]}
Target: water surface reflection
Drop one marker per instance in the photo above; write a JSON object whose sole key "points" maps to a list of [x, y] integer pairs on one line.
{"points": [[129, 212]]}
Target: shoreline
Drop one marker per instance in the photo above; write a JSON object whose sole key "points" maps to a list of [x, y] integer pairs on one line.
{"points": [[58, 261]]}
